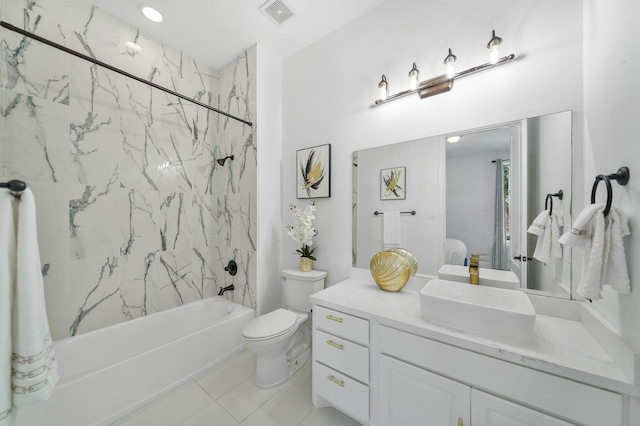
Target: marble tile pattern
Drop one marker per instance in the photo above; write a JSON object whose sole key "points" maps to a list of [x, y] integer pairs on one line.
{"points": [[134, 214]]}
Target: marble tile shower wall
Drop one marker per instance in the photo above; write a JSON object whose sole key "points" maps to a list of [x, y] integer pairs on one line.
{"points": [[134, 214]]}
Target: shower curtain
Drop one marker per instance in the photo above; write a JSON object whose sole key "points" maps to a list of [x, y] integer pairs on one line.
{"points": [[499, 252]]}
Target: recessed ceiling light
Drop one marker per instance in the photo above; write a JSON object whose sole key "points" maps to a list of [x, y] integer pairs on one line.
{"points": [[152, 14], [453, 139]]}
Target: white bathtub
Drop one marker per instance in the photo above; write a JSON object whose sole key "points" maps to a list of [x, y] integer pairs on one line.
{"points": [[108, 373]]}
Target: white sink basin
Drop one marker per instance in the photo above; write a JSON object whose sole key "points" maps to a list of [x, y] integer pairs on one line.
{"points": [[495, 312], [488, 277]]}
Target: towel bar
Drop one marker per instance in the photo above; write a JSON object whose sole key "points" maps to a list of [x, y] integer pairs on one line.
{"points": [[15, 187], [412, 213]]}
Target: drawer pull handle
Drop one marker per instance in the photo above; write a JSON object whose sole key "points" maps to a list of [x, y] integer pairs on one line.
{"points": [[336, 381], [335, 345], [332, 318]]}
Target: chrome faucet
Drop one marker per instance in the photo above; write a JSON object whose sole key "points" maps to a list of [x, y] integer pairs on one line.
{"points": [[223, 289]]}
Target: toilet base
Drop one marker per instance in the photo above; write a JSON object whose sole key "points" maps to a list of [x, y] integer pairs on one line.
{"points": [[273, 371]]}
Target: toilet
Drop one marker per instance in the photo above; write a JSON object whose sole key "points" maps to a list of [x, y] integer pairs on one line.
{"points": [[281, 339]]}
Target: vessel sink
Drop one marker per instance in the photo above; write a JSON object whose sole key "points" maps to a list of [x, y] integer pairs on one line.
{"points": [[498, 313], [488, 277]]}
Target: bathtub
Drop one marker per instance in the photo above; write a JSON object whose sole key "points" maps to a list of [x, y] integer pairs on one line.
{"points": [[109, 373]]}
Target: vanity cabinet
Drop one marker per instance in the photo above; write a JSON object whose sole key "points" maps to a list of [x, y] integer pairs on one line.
{"points": [[341, 362], [489, 410], [438, 368], [378, 361], [413, 396]]}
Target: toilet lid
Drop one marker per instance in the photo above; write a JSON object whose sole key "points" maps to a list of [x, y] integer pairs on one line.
{"points": [[270, 325]]}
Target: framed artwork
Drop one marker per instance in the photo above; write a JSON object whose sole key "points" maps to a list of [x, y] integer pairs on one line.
{"points": [[313, 176], [392, 184]]}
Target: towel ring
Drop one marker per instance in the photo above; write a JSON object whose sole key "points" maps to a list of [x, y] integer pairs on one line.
{"points": [[621, 176], [609, 192], [549, 199]]}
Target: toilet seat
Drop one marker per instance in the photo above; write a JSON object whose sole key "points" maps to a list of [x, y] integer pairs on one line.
{"points": [[271, 325]]}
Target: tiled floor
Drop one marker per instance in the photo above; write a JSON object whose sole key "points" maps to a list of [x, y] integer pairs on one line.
{"points": [[227, 396]]}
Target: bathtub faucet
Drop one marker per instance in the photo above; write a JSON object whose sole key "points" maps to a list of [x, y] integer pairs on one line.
{"points": [[223, 289]]}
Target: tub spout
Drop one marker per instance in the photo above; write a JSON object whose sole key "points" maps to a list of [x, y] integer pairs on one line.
{"points": [[223, 289]]}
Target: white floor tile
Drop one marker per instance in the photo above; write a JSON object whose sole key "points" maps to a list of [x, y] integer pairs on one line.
{"points": [[171, 410], [229, 375], [239, 401], [211, 415], [288, 407], [246, 398], [328, 416]]}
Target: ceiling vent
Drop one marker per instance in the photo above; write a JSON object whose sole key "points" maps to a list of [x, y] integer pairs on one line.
{"points": [[278, 11]]}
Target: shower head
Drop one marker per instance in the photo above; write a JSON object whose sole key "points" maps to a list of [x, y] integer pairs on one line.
{"points": [[222, 160]]}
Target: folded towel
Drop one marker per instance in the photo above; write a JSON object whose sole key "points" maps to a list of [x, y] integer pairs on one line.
{"points": [[391, 236], [604, 260], [33, 364], [579, 233], [616, 273], [547, 227]]}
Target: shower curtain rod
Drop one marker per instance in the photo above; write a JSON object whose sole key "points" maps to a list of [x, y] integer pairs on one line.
{"points": [[117, 70]]}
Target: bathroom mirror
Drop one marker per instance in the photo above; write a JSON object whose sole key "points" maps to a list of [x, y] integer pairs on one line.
{"points": [[453, 189]]}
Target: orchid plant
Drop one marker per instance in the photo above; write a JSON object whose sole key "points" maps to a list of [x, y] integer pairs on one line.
{"points": [[303, 231]]}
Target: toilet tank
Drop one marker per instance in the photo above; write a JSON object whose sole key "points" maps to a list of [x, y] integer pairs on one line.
{"points": [[298, 286]]}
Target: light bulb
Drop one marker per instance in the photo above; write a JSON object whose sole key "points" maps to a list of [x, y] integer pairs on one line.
{"points": [[384, 88], [494, 48], [413, 77], [449, 61], [494, 55]]}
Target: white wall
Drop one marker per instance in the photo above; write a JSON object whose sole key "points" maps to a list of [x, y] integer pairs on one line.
{"points": [[330, 86], [471, 181], [549, 150], [419, 233], [269, 131], [611, 133]]}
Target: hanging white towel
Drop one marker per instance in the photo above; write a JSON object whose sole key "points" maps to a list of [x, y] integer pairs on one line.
{"points": [[33, 366], [579, 235], [547, 227], [7, 278], [604, 260], [392, 231]]}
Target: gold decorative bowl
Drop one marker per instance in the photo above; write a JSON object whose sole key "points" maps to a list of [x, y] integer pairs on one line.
{"points": [[410, 258], [389, 270]]}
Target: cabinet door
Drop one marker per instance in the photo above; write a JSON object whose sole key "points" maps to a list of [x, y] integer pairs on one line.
{"points": [[412, 396], [489, 410]]}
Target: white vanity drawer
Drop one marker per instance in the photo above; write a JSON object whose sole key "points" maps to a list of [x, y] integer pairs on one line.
{"points": [[341, 354], [341, 324], [341, 391]]}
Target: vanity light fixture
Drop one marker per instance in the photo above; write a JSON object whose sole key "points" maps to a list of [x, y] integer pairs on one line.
{"points": [[413, 77], [449, 62], [442, 83], [151, 14], [454, 139], [494, 48], [384, 88]]}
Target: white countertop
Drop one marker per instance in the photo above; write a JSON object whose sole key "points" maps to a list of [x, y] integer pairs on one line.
{"points": [[563, 347]]}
